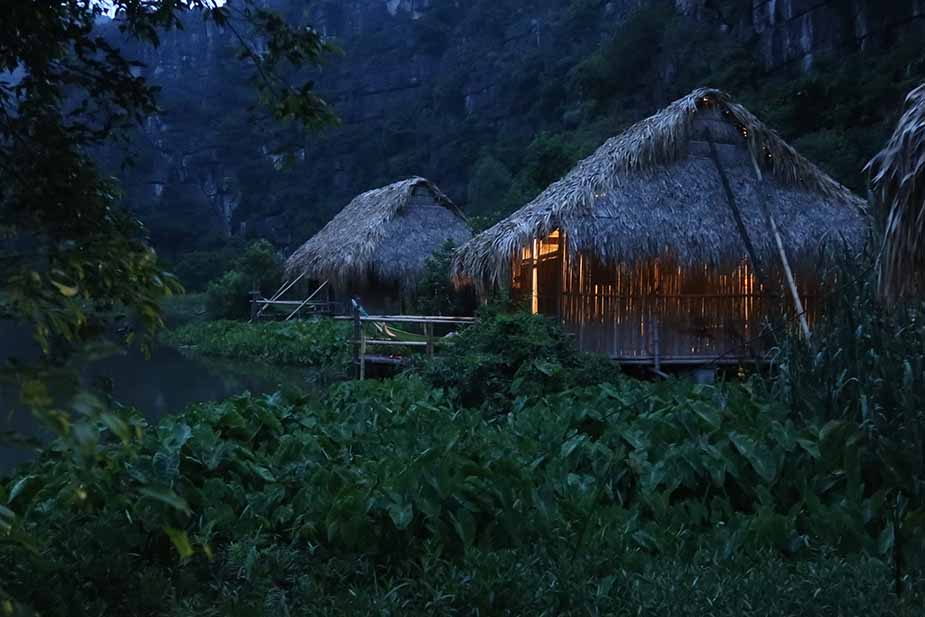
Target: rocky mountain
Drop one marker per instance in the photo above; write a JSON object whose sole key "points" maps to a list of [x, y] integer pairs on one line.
{"points": [[493, 98]]}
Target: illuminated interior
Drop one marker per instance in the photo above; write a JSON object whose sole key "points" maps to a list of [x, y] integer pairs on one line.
{"points": [[654, 307]]}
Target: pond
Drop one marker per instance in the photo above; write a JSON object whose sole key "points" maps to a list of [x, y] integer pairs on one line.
{"points": [[165, 383]]}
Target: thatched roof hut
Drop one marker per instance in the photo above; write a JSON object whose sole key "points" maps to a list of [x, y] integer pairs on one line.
{"points": [[382, 238], [640, 250], [898, 183], [654, 189]]}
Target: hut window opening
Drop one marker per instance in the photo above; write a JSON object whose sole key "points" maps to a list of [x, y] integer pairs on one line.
{"points": [[538, 272]]}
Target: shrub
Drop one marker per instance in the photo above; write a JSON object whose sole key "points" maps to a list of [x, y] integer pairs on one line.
{"points": [[506, 355], [435, 293], [196, 269], [227, 296], [258, 268]]}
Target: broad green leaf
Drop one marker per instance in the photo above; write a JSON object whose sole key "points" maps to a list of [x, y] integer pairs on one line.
{"points": [[117, 425], [756, 454], [811, 447], [401, 514], [180, 541], [709, 414], [166, 496]]}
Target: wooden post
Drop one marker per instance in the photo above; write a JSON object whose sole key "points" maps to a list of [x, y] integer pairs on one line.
{"points": [[362, 354], [429, 333], [736, 214], [357, 330], [254, 313], [788, 273]]}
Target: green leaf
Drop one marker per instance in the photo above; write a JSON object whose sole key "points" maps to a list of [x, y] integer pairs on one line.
{"points": [[19, 487], [180, 541], [465, 527], [886, 540], [401, 514], [117, 425], [166, 496], [264, 473], [573, 442], [756, 454], [7, 517], [811, 448]]}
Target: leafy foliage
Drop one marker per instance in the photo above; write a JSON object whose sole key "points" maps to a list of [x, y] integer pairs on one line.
{"points": [[258, 268], [74, 266], [868, 371], [323, 343], [510, 355], [435, 293], [386, 494]]}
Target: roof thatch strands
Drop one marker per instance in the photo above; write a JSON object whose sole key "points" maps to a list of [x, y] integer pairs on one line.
{"points": [[655, 189], [898, 183], [378, 237]]}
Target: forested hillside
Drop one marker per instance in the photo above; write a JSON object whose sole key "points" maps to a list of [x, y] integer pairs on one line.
{"points": [[495, 99]]}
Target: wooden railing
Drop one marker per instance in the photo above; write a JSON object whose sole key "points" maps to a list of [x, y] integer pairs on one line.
{"points": [[361, 340], [293, 308]]}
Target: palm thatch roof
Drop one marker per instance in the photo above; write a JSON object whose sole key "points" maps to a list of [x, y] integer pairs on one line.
{"points": [[656, 190], [384, 236], [898, 183]]}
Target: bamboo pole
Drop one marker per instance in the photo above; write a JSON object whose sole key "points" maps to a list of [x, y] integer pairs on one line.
{"points": [[279, 294], [736, 214], [306, 301], [788, 272]]}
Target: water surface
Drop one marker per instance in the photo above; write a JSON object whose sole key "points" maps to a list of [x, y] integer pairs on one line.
{"points": [[165, 383]]}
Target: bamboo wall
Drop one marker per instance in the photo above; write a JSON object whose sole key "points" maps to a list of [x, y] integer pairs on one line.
{"points": [[656, 307]]}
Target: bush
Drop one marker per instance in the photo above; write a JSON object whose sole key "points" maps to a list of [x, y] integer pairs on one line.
{"points": [[227, 297], [435, 293], [258, 268], [507, 355], [196, 269]]}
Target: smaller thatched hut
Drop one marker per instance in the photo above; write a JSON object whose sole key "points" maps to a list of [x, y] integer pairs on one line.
{"points": [[377, 246], [898, 183], [647, 249]]}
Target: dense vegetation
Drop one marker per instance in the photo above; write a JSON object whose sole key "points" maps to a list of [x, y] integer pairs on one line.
{"points": [[320, 344], [555, 489], [514, 475]]}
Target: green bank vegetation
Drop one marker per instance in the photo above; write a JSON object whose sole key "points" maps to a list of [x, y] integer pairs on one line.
{"points": [[514, 476], [322, 343]]}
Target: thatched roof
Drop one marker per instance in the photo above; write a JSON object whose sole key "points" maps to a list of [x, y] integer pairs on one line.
{"points": [[898, 183], [383, 235], [655, 190]]}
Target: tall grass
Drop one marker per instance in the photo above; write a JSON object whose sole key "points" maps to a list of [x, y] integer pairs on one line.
{"points": [[865, 365]]}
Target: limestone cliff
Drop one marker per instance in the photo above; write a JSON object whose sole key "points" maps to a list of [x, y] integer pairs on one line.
{"points": [[421, 88]]}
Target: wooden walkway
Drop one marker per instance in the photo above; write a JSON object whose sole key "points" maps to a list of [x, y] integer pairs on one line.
{"points": [[384, 337]]}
